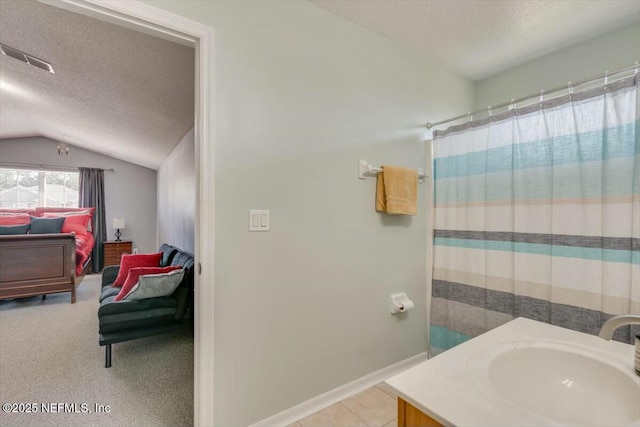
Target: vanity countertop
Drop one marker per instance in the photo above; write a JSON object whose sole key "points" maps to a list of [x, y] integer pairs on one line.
{"points": [[459, 388]]}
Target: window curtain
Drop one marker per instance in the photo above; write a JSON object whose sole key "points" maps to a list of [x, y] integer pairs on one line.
{"points": [[92, 195], [537, 215]]}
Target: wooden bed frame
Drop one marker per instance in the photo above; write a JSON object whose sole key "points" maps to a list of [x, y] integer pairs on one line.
{"points": [[39, 264]]}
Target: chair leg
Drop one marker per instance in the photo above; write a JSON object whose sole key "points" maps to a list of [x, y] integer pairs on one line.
{"points": [[107, 356]]}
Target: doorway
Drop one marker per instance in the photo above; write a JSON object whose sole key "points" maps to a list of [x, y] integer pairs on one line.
{"points": [[153, 21]]}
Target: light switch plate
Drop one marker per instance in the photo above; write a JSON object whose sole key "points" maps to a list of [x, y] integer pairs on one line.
{"points": [[259, 220]]}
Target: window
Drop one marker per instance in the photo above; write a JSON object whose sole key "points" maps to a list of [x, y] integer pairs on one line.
{"points": [[22, 188]]}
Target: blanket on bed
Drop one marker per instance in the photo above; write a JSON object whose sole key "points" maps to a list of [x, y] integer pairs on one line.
{"points": [[84, 246]]}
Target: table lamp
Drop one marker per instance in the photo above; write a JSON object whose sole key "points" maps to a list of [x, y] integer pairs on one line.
{"points": [[118, 223]]}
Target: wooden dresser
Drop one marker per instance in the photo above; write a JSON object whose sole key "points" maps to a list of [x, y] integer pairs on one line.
{"points": [[113, 251]]}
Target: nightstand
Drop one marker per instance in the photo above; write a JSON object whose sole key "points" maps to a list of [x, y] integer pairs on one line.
{"points": [[113, 251]]}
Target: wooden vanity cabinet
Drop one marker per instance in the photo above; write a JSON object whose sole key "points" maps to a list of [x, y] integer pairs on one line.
{"points": [[410, 416]]}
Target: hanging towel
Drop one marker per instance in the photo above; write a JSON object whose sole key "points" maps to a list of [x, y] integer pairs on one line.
{"points": [[397, 191]]}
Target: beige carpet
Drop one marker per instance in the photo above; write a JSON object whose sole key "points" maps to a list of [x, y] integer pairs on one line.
{"points": [[49, 353]]}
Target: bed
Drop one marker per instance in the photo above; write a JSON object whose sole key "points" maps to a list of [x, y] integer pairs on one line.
{"points": [[41, 264]]}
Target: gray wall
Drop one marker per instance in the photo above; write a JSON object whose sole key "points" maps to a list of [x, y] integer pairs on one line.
{"points": [[130, 191], [607, 52], [301, 96], [177, 196]]}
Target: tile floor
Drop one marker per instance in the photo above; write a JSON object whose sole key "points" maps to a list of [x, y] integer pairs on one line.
{"points": [[376, 406]]}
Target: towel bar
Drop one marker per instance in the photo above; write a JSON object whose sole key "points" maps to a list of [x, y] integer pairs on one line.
{"points": [[365, 169]]}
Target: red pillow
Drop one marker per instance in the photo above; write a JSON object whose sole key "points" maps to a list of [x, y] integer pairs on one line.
{"points": [[82, 219], [129, 261], [136, 272], [69, 221], [17, 219], [75, 228], [64, 211], [17, 211]]}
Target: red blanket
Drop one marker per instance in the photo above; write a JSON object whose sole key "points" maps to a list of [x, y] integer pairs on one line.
{"points": [[84, 246]]}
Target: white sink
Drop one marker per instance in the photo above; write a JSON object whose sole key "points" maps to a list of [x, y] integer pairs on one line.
{"points": [[559, 383], [527, 373]]}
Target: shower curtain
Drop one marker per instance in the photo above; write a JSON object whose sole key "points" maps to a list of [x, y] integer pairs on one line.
{"points": [[537, 215]]}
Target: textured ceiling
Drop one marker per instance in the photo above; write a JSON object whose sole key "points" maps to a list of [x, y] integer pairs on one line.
{"points": [[115, 91], [477, 39], [130, 95]]}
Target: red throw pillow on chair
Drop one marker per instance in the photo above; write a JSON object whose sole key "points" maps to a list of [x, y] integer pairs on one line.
{"points": [[136, 272], [129, 261]]}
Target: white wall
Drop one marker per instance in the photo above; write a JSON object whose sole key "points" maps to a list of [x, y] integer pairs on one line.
{"points": [[607, 52], [301, 96], [130, 191], [177, 196]]}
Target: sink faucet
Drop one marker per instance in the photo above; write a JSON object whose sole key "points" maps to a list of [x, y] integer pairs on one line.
{"points": [[606, 332]]}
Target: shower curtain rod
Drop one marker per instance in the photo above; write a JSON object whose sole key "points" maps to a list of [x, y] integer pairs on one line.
{"points": [[541, 94]]}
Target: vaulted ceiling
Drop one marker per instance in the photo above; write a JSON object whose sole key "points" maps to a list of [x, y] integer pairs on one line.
{"points": [[115, 91], [131, 96]]}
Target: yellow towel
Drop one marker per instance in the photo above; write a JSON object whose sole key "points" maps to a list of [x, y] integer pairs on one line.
{"points": [[397, 191]]}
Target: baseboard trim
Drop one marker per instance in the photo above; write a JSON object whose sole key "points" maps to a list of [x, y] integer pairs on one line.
{"points": [[315, 404]]}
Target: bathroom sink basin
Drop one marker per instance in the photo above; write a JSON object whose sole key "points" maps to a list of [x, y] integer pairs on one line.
{"points": [[560, 383], [527, 373]]}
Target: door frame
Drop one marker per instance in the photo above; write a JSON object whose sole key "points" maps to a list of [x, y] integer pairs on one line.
{"points": [[160, 23]]}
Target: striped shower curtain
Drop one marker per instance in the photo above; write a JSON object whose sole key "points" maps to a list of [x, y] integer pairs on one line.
{"points": [[537, 215]]}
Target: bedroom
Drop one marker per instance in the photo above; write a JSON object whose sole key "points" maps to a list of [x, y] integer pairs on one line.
{"points": [[140, 134], [300, 98]]}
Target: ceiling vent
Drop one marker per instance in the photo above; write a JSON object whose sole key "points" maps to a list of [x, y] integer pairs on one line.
{"points": [[25, 57]]}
